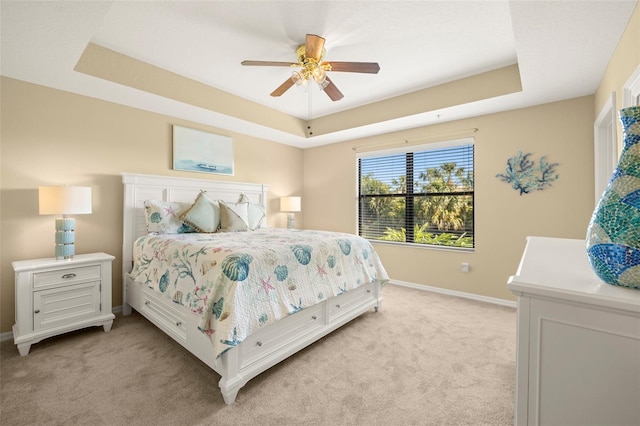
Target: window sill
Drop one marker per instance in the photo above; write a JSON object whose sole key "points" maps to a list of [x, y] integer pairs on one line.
{"points": [[424, 246]]}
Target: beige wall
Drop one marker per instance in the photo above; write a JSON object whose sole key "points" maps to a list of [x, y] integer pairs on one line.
{"points": [[50, 137], [562, 131], [623, 63]]}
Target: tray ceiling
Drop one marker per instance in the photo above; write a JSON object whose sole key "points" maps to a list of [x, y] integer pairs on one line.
{"points": [[182, 58]]}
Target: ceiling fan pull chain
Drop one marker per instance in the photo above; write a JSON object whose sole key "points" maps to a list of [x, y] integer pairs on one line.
{"points": [[309, 109]]}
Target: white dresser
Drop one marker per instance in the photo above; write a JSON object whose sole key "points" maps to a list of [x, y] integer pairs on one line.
{"points": [[57, 296], [578, 340]]}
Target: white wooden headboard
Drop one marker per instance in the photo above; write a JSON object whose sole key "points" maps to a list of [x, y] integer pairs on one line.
{"points": [[138, 188]]}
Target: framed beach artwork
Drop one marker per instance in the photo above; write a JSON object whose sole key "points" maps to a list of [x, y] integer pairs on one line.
{"points": [[204, 152]]}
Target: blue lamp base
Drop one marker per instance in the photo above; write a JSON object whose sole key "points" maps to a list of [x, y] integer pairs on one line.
{"points": [[65, 238]]}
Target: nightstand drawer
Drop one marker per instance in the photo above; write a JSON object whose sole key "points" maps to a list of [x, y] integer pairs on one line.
{"points": [[65, 276]]}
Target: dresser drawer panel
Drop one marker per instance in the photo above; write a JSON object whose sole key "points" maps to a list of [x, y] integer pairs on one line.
{"points": [[344, 303], [268, 340], [168, 318], [65, 276], [65, 305]]}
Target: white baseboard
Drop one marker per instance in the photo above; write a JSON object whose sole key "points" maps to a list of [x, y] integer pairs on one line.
{"points": [[487, 299], [6, 336]]}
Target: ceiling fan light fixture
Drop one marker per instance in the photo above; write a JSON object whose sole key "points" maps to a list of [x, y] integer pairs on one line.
{"points": [[320, 77], [298, 78], [318, 74]]}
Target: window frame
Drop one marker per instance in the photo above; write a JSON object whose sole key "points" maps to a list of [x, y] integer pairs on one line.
{"points": [[411, 149]]}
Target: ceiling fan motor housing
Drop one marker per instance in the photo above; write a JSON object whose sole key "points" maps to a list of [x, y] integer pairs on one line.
{"points": [[301, 52]]}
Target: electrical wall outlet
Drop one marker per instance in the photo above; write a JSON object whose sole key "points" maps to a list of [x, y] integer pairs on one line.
{"points": [[464, 267]]}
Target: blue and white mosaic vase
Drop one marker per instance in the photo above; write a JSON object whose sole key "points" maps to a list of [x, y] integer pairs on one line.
{"points": [[613, 237]]}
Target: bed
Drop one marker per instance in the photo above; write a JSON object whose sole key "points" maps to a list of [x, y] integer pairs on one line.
{"points": [[236, 316]]}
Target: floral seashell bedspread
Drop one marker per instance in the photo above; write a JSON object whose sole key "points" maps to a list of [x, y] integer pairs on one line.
{"points": [[240, 282]]}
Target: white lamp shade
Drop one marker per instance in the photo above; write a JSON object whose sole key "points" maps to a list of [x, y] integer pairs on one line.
{"points": [[64, 199], [290, 204]]}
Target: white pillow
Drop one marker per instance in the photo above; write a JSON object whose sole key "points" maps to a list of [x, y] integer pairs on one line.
{"points": [[257, 216], [204, 214], [234, 217]]}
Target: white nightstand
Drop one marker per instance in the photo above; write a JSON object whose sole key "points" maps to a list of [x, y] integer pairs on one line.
{"points": [[57, 296]]}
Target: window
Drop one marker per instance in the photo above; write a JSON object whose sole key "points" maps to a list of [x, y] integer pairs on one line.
{"points": [[419, 196]]}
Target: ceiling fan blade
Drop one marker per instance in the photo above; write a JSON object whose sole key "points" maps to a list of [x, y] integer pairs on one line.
{"points": [[364, 67], [283, 87], [268, 63], [332, 91], [313, 46]]}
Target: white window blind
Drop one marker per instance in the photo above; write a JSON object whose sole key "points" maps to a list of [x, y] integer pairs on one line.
{"points": [[421, 195]]}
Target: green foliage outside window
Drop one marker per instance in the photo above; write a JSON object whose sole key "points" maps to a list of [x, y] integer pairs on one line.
{"points": [[423, 237]]}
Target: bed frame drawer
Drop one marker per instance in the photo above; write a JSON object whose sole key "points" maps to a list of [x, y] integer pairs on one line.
{"points": [[262, 343], [172, 321], [347, 302]]}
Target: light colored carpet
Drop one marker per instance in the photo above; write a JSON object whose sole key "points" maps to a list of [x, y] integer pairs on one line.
{"points": [[424, 359]]}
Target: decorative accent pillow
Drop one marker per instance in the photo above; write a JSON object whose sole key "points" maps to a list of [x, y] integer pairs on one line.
{"points": [[234, 217], [204, 214], [163, 217], [256, 213]]}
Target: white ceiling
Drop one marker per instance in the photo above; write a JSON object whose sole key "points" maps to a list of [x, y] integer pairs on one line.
{"points": [[561, 47]]}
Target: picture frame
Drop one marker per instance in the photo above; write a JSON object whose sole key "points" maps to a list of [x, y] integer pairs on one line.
{"points": [[202, 152]]}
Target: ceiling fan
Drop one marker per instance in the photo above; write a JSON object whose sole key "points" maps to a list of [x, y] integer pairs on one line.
{"points": [[312, 64]]}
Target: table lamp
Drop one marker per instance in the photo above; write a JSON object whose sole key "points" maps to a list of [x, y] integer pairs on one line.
{"points": [[64, 200], [290, 205]]}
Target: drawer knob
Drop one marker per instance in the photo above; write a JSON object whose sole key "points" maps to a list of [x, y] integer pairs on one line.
{"points": [[338, 306], [258, 343], [368, 291], [178, 323], [37, 311], [67, 276], [147, 303], [314, 317]]}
